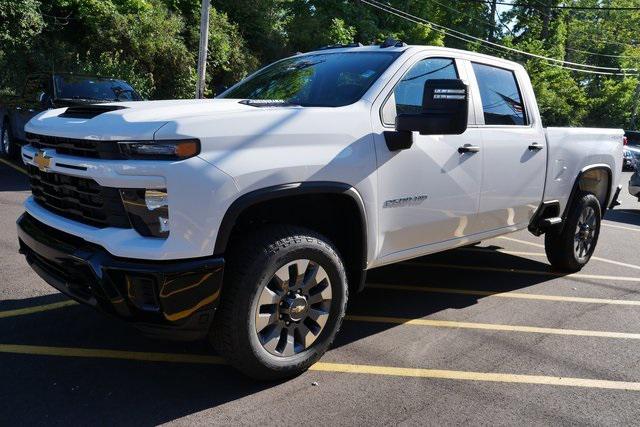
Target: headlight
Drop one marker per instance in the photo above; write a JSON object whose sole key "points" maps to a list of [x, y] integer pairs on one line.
{"points": [[160, 150], [148, 211]]}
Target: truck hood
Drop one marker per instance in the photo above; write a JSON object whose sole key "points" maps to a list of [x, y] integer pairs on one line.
{"points": [[128, 120]]}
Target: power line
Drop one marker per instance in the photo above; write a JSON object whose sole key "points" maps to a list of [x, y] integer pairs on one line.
{"points": [[593, 8], [468, 38], [602, 54], [543, 14], [514, 35]]}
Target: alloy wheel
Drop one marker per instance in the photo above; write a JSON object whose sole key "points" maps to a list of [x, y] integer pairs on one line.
{"points": [[293, 308], [4, 141], [585, 233]]}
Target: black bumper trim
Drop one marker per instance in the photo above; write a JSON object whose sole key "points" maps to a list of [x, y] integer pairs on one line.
{"points": [[171, 299]]}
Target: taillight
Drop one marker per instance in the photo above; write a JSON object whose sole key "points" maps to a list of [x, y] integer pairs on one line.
{"points": [[625, 141]]}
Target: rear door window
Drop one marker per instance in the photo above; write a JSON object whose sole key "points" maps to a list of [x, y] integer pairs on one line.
{"points": [[501, 99]]}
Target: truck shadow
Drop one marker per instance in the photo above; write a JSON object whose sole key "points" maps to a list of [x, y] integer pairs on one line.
{"points": [[12, 180], [625, 216], [83, 390]]}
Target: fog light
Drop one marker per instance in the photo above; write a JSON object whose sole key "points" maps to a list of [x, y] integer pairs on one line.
{"points": [[155, 199], [148, 211]]}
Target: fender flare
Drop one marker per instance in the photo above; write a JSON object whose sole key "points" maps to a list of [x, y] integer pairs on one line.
{"points": [[252, 198], [576, 187]]}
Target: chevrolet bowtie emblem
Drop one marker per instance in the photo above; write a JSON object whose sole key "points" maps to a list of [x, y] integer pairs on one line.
{"points": [[42, 160], [297, 309]]}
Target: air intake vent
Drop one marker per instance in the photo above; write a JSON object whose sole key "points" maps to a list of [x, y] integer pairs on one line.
{"points": [[89, 111]]}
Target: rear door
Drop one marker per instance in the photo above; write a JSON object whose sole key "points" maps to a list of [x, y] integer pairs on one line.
{"points": [[514, 145]]}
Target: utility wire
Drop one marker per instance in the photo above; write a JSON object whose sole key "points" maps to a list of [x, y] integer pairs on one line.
{"points": [[460, 35], [514, 35], [543, 5], [592, 8]]}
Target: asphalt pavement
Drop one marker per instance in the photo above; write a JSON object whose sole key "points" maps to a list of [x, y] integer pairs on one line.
{"points": [[481, 335]]}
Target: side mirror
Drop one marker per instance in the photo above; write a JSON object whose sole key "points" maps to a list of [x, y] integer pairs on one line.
{"points": [[445, 106]]}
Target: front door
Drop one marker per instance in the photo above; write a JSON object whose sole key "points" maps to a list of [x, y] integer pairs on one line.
{"points": [[428, 193]]}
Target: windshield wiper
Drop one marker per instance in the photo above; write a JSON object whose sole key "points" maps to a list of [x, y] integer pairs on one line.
{"points": [[78, 98], [304, 64], [269, 103]]}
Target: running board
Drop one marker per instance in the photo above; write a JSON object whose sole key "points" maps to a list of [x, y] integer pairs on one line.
{"points": [[550, 222]]}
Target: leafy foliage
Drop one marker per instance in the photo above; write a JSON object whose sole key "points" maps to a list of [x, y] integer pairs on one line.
{"points": [[153, 43]]}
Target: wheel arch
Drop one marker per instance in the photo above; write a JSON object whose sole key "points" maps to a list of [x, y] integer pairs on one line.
{"points": [[267, 202], [591, 179]]}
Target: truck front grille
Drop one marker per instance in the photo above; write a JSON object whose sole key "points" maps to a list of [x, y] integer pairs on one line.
{"points": [[79, 199], [76, 147]]}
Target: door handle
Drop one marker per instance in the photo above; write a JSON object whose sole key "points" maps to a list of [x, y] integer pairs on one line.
{"points": [[468, 148], [535, 147]]}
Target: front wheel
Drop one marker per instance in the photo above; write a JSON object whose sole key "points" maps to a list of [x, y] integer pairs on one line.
{"points": [[284, 300], [571, 248]]}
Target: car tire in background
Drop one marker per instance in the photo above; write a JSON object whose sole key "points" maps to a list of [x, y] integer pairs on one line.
{"points": [[570, 248], [283, 302], [8, 149]]}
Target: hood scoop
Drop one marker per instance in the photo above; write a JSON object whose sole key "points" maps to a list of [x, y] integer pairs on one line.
{"points": [[89, 111]]}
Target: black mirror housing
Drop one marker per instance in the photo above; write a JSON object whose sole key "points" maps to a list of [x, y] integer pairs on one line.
{"points": [[445, 107]]}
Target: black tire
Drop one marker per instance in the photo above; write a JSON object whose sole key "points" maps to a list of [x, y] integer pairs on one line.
{"points": [[8, 148], [560, 246], [251, 266]]}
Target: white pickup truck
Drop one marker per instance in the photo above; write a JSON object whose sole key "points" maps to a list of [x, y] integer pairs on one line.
{"points": [[294, 183]]}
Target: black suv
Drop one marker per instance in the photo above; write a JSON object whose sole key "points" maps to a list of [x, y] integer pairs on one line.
{"points": [[44, 91]]}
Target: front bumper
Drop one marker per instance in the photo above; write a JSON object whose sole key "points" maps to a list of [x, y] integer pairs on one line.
{"points": [[170, 299]]}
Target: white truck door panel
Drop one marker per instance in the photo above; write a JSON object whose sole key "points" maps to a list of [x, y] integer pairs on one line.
{"points": [[515, 152], [430, 192]]}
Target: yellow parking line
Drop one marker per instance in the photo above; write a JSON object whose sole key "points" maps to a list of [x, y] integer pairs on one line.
{"points": [[628, 213], [36, 309], [621, 227], [516, 295], [475, 376], [503, 251], [391, 371], [109, 354], [511, 239], [491, 327], [608, 261], [539, 254], [11, 165], [531, 272]]}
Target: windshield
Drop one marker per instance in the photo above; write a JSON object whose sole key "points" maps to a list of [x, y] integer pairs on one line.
{"points": [[317, 80], [94, 88]]}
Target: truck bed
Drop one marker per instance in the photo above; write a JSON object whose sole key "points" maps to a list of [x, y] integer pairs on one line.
{"points": [[570, 150]]}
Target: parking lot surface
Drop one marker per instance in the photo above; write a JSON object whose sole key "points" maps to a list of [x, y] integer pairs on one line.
{"points": [[481, 335]]}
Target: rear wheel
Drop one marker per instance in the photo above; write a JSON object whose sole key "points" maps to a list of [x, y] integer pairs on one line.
{"points": [[284, 300], [571, 248]]}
